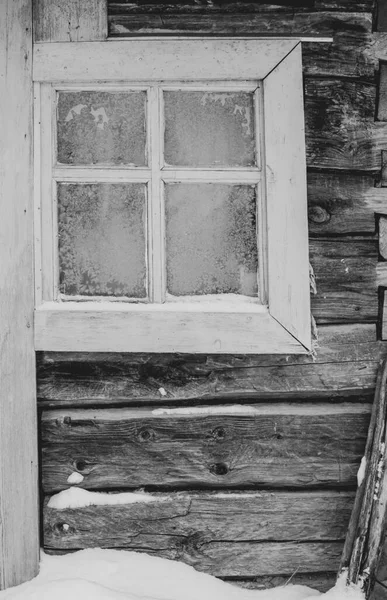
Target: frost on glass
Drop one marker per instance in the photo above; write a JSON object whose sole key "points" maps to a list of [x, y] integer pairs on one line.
{"points": [[101, 231], [101, 128], [211, 239], [208, 129]]}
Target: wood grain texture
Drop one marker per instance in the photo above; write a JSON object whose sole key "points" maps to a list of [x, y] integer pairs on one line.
{"points": [[381, 15], [343, 203], [264, 445], [19, 528], [346, 279], [340, 129], [233, 535], [241, 5], [383, 172], [70, 21], [346, 363], [220, 18], [382, 93]]}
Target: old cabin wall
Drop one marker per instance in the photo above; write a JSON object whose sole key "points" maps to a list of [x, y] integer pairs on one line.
{"points": [[257, 494]]}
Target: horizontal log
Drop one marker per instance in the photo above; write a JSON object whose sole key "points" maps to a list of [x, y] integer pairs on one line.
{"points": [[266, 445], [115, 7], [349, 5], [343, 203], [333, 381], [215, 18], [346, 363], [183, 6], [234, 535]]}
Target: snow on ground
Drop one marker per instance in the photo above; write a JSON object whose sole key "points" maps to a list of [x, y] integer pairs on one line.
{"points": [[121, 575]]}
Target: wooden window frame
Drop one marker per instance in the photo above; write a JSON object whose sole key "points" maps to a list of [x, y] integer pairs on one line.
{"points": [[282, 325]]}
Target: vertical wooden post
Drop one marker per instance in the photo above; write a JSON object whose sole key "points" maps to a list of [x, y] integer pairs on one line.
{"points": [[19, 526]]}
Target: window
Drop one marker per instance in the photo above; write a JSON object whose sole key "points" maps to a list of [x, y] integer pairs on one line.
{"points": [[171, 197]]}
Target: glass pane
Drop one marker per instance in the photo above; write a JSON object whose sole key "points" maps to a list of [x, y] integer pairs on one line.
{"points": [[209, 129], [211, 239], [102, 239], [101, 128]]}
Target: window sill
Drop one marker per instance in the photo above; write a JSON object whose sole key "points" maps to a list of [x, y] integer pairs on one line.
{"points": [[172, 327]]}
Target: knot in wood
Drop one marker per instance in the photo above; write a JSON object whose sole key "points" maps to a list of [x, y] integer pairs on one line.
{"points": [[219, 468], [318, 214], [80, 465], [219, 433], [62, 528], [146, 435]]}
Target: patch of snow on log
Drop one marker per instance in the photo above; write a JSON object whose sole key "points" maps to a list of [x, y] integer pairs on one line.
{"points": [[361, 471], [97, 574], [79, 498], [75, 478]]}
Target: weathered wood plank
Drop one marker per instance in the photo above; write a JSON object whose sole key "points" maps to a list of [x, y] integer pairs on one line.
{"points": [[239, 535], [349, 5], [351, 54], [340, 128], [346, 279], [343, 203], [115, 7], [381, 13], [265, 445], [70, 21], [19, 522], [214, 18], [333, 381], [382, 95]]}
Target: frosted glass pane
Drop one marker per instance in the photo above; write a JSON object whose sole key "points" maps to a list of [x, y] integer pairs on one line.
{"points": [[211, 239], [207, 129], [102, 239], [101, 128]]}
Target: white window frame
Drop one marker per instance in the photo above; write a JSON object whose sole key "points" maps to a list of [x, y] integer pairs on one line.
{"points": [[282, 324]]}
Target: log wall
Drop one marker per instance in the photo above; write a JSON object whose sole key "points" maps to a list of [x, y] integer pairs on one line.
{"points": [[257, 491]]}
